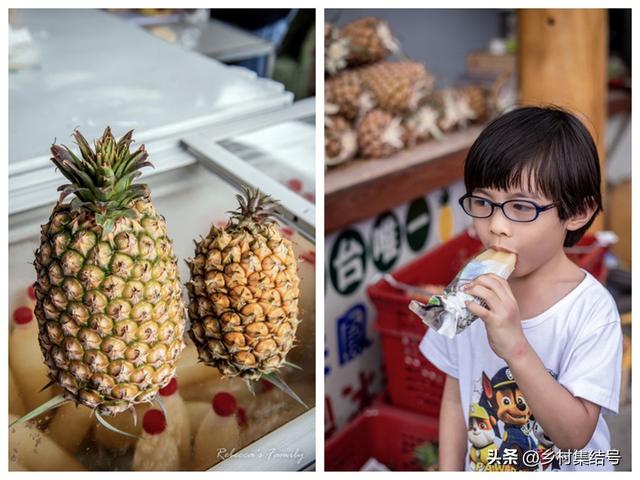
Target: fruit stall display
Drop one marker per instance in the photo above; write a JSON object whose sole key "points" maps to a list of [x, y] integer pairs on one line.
{"points": [[159, 318], [378, 102]]}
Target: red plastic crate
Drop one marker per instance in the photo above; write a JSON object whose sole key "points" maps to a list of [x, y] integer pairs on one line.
{"points": [[413, 381], [388, 434], [588, 254]]}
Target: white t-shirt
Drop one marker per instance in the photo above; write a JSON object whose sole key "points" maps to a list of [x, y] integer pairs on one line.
{"points": [[579, 340]]}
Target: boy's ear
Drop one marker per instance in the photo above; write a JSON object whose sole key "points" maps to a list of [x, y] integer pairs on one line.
{"points": [[579, 220]]}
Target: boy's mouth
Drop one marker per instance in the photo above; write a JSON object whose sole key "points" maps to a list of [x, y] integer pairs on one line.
{"points": [[498, 248]]}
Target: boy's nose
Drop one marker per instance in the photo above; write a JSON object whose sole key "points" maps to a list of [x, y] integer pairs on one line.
{"points": [[500, 225]]}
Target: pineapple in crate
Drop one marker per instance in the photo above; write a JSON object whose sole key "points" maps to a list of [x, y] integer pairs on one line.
{"points": [[243, 294], [108, 297]]}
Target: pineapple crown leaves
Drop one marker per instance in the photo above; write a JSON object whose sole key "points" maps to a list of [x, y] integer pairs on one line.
{"points": [[102, 177], [47, 406], [254, 207]]}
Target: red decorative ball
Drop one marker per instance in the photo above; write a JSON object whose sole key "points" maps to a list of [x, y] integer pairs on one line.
{"points": [[170, 388], [154, 422], [31, 292], [287, 232], [224, 404], [295, 184], [22, 315], [266, 385]]}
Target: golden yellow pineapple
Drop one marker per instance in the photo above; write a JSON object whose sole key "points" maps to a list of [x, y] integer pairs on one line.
{"points": [[345, 95], [340, 141], [398, 87], [380, 134], [370, 40], [108, 297], [336, 50], [424, 121], [243, 292], [409, 133], [476, 95], [456, 110]]}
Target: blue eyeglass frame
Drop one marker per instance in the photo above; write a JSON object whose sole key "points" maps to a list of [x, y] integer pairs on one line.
{"points": [[494, 205]]}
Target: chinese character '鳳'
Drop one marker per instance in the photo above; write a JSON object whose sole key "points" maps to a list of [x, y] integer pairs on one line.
{"points": [[352, 333]]}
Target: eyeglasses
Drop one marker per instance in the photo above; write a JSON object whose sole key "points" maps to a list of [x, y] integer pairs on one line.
{"points": [[516, 210]]}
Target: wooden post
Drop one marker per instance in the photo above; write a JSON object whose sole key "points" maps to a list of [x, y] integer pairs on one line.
{"points": [[563, 61]]}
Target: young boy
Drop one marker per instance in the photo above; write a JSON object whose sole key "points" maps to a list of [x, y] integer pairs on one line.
{"points": [[543, 363]]}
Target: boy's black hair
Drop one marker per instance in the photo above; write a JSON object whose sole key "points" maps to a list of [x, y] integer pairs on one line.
{"points": [[548, 146]]}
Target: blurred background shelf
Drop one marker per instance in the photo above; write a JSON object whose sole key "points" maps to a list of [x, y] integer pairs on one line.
{"points": [[361, 188]]}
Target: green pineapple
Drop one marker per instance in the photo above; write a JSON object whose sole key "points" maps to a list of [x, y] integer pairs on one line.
{"points": [[109, 307]]}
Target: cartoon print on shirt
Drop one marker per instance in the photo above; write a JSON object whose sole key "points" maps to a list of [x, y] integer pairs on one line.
{"points": [[545, 449], [501, 407], [482, 436]]}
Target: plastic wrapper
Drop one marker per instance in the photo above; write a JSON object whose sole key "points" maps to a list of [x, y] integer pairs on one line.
{"points": [[447, 313]]}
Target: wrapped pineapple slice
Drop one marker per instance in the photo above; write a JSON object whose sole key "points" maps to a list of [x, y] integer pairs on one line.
{"points": [[447, 313]]}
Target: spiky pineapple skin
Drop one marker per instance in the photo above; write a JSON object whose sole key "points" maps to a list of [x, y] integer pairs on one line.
{"points": [[340, 140], [344, 91], [371, 134], [477, 97], [398, 87], [365, 43], [109, 307], [243, 299]]}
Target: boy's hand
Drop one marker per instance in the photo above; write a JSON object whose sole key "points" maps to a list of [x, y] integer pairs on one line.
{"points": [[501, 318]]}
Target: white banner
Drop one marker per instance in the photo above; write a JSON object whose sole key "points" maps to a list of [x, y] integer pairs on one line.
{"points": [[354, 371]]}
